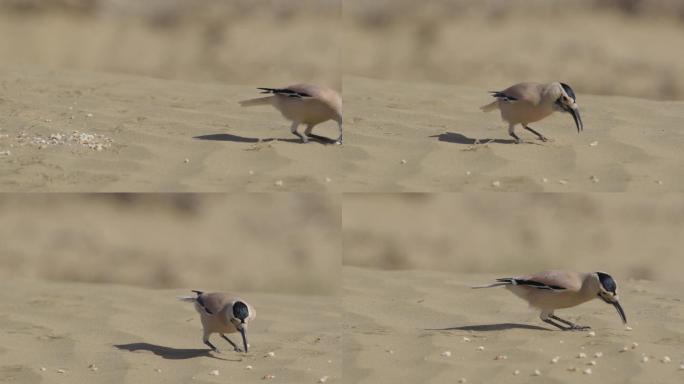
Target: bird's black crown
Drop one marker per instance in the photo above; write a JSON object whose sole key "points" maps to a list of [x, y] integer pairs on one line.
{"points": [[569, 91], [240, 311], [607, 282]]}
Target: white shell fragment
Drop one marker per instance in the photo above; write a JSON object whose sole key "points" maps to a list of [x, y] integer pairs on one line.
{"points": [[61, 371], [593, 143], [323, 379], [591, 334], [466, 340], [446, 354], [644, 359], [215, 372], [587, 371], [89, 115], [249, 367], [628, 328], [555, 360], [666, 359], [536, 373]]}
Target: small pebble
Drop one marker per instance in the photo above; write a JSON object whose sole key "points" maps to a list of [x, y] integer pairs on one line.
{"points": [[666, 359], [624, 349], [390, 351], [468, 173], [555, 360], [92, 367], [544, 180], [279, 183], [251, 173], [591, 334], [516, 372], [501, 357], [644, 359], [323, 379], [572, 369], [89, 115], [446, 354], [598, 355], [681, 367], [157, 370], [496, 184], [628, 328], [581, 355], [268, 377], [403, 161], [329, 361], [563, 182], [593, 143], [466, 340], [270, 354], [462, 380], [634, 345], [659, 182], [536, 373], [249, 367], [215, 372], [186, 160], [327, 179], [480, 348], [587, 371], [561, 341], [43, 369], [61, 371], [592, 362]]}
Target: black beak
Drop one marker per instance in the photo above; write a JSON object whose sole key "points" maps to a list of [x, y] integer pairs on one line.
{"points": [[576, 116], [621, 312], [244, 338]]}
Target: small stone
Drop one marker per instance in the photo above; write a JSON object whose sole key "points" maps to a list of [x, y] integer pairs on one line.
{"points": [[562, 182], [634, 345], [251, 173], [496, 184], [270, 354], [323, 379], [480, 348], [572, 369], [157, 370], [681, 367], [595, 179], [403, 161], [501, 357], [644, 359], [268, 377], [659, 182], [544, 180], [581, 355], [61, 371], [43, 369], [587, 371], [466, 340], [593, 143], [462, 380], [215, 372], [89, 115], [624, 349], [249, 367], [186, 160], [591, 334], [555, 360], [516, 372], [628, 328], [390, 351], [666, 359], [591, 362], [536, 373], [446, 354], [279, 183], [468, 173], [327, 179], [598, 355], [92, 367], [329, 361]]}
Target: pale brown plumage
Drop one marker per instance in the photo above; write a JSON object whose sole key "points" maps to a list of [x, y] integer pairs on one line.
{"points": [[528, 102], [303, 104], [552, 290], [222, 313]]}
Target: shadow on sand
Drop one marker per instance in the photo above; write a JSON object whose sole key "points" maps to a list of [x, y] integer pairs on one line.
{"points": [[492, 327], [458, 138], [168, 352], [243, 139]]}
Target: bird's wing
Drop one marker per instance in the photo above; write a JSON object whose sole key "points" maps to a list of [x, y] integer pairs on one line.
{"points": [[522, 91], [295, 91], [214, 303], [552, 280]]}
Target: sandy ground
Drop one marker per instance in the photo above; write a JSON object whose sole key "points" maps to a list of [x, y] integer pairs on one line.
{"points": [[129, 334], [153, 135], [398, 324], [422, 137]]}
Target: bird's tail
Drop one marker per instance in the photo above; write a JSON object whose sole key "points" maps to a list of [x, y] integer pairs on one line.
{"points": [[490, 107], [257, 101], [189, 299], [499, 283]]}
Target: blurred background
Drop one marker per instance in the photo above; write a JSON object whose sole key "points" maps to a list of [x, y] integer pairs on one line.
{"points": [[606, 47], [628, 235], [256, 42], [246, 242]]}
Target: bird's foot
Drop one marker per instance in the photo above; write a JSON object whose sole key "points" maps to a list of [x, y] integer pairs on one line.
{"points": [[576, 327], [238, 349], [543, 138], [518, 141]]}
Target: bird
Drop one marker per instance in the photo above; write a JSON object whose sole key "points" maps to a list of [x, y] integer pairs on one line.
{"points": [[552, 290], [222, 313], [528, 102], [303, 104]]}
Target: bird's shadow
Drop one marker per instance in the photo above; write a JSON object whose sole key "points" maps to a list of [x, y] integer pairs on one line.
{"points": [[492, 327], [168, 353], [459, 138], [243, 139]]}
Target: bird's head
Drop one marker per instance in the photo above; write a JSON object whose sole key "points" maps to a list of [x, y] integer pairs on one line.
{"points": [[240, 317], [566, 101], [607, 291]]}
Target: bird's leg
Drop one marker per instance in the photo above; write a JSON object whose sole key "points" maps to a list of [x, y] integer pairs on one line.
{"points": [[549, 321], [210, 345], [573, 326], [339, 139], [235, 347], [293, 129], [511, 132], [307, 132], [539, 135]]}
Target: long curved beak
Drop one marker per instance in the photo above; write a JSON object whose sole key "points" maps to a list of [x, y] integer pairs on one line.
{"points": [[576, 116], [621, 312], [244, 338]]}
